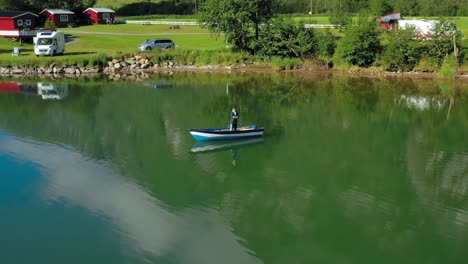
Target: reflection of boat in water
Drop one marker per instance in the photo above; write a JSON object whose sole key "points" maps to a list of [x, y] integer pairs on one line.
{"points": [[213, 146], [203, 134], [157, 85]]}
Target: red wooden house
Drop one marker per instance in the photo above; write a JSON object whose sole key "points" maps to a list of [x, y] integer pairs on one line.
{"points": [[60, 17], [14, 24], [100, 15]]}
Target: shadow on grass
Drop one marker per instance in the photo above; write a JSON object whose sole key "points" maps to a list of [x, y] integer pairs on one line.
{"points": [[70, 39], [79, 53]]}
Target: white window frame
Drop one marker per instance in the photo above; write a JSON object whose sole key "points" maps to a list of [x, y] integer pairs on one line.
{"points": [[106, 16], [19, 22], [63, 18], [28, 22]]}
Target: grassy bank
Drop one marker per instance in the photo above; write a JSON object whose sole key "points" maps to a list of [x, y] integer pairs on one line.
{"points": [[94, 42]]}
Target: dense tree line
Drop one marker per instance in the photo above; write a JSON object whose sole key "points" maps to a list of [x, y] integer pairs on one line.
{"points": [[338, 7], [39, 5]]}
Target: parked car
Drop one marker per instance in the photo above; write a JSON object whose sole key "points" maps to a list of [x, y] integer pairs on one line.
{"points": [[157, 44]]}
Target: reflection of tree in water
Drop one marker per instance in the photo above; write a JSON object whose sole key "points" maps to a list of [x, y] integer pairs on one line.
{"points": [[438, 164]]}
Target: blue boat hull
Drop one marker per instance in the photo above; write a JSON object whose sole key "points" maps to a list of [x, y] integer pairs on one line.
{"points": [[206, 134]]}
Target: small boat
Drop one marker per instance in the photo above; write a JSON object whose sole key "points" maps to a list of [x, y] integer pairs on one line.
{"points": [[204, 134], [220, 145]]}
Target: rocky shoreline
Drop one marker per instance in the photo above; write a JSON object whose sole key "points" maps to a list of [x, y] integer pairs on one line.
{"points": [[134, 67], [138, 67]]}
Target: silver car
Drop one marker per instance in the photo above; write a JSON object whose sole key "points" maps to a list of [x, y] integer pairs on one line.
{"points": [[156, 44]]}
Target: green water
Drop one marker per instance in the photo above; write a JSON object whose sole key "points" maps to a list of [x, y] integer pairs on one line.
{"points": [[351, 170]]}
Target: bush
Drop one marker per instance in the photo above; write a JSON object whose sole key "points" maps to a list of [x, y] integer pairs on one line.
{"points": [[326, 44], [286, 38], [448, 69], [441, 42], [360, 46], [400, 51], [49, 24], [463, 51]]}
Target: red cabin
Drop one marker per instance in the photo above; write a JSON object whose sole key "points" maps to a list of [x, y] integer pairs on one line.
{"points": [[14, 24], [60, 17], [100, 15]]}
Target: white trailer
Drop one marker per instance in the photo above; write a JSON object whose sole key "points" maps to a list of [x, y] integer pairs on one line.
{"points": [[49, 43]]}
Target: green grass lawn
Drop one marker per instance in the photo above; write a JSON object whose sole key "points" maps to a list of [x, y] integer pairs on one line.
{"points": [[138, 29], [93, 45]]}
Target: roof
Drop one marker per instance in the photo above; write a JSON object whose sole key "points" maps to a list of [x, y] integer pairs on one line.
{"points": [[15, 14], [391, 16], [423, 26], [58, 11], [100, 10]]}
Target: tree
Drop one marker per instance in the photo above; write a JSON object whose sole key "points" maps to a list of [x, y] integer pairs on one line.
{"points": [[360, 44], [380, 7], [49, 24], [38, 5], [340, 13], [239, 20]]}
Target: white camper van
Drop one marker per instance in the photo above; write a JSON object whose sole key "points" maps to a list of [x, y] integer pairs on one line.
{"points": [[49, 43]]}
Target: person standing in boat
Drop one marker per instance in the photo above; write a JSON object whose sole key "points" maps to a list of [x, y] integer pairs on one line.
{"points": [[234, 117]]}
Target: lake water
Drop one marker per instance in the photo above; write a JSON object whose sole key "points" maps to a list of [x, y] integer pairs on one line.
{"points": [[351, 170]]}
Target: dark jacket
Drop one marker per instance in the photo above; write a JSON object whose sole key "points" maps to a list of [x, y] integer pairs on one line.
{"points": [[234, 117]]}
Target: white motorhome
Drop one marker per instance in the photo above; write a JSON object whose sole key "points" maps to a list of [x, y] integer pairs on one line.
{"points": [[49, 43], [52, 91]]}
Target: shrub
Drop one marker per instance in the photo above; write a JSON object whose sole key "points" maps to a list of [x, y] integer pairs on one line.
{"points": [[49, 24], [286, 38], [448, 69], [326, 44], [400, 51], [360, 46]]}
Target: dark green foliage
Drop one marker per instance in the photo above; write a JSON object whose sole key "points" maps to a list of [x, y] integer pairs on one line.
{"points": [[380, 7], [326, 44], [160, 7], [286, 38], [39, 5], [360, 46], [463, 51], [401, 52]]}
